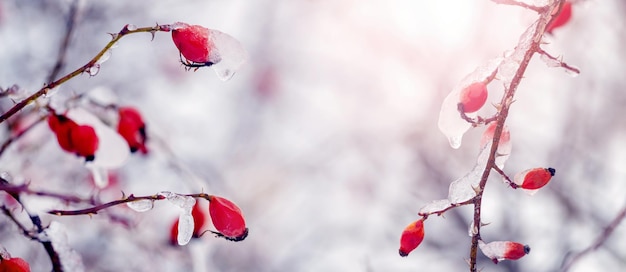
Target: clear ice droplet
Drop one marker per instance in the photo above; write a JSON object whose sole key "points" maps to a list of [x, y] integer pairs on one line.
{"points": [[143, 205]]}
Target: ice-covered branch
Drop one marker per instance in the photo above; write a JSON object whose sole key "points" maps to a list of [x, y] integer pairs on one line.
{"points": [[95, 209], [90, 68]]}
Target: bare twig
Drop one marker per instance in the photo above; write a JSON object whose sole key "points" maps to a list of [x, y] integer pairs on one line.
{"points": [[521, 4], [506, 177], [85, 68], [608, 230], [442, 211], [559, 61], [19, 134], [95, 209], [72, 17], [24, 189]]}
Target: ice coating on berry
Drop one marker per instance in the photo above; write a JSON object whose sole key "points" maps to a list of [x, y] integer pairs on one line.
{"points": [[192, 41], [534, 179], [503, 250], [473, 97], [450, 122]]}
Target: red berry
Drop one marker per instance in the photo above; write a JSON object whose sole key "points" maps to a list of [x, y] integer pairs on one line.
{"points": [[227, 219], [198, 221], [503, 250], [192, 41], [514, 251], [85, 141], [473, 97], [14, 265], [562, 18], [411, 237], [535, 178], [62, 128], [132, 128]]}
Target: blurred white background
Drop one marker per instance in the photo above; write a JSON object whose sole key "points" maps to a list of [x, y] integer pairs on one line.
{"points": [[327, 137]]}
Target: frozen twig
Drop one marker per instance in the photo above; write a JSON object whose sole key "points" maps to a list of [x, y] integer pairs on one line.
{"points": [[130, 198], [534, 47], [85, 68], [558, 61]]}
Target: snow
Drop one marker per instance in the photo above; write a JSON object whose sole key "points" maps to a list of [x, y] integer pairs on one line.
{"points": [[70, 259]]}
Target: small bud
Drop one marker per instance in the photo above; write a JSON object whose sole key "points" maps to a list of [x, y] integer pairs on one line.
{"points": [[533, 179], [227, 219], [411, 237], [473, 97]]}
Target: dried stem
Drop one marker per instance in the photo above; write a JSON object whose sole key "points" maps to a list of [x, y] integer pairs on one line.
{"points": [[24, 189], [506, 177], [85, 68], [72, 17]]}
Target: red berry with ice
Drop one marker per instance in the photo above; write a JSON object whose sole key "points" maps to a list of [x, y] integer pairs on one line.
{"points": [[533, 179], [208, 47], [473, 97]]}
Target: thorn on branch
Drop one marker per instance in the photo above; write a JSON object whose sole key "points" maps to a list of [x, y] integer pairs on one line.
{"points": [[552, 61]]}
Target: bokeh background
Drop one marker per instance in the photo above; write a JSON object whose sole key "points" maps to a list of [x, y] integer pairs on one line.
{"points": [[327, 137]]}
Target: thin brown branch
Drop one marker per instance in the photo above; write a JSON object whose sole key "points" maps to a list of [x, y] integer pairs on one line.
{"points": [[442, 211], [506, 177], [95, 209], [506, 101], [602, 238], [19, 134], [24, 189], [559, 62], [85, 68], [72, 18], [520, 4]]}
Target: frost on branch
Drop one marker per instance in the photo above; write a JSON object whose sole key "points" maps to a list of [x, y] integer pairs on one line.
{"points": [[185, 219], [451, 124], [70, 260], [503, 250], [504, 146], [464, 188]]}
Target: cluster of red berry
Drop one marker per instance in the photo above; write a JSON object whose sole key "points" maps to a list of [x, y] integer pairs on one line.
{"points": [[83, 140]]}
